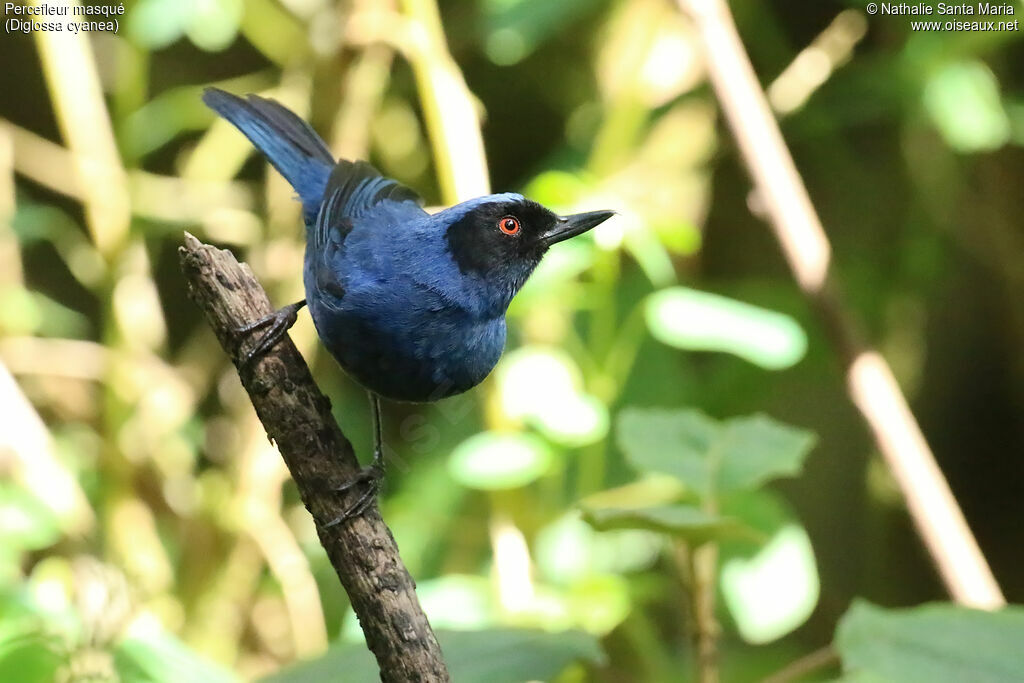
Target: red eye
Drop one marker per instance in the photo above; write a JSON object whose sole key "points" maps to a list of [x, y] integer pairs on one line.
{"points": [[509, 225]]}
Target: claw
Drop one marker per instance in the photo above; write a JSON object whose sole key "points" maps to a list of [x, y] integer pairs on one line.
{"points": [[279, 322], [370, 477]]}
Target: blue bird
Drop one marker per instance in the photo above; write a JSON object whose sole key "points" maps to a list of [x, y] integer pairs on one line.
{"points": [[411, 305]]}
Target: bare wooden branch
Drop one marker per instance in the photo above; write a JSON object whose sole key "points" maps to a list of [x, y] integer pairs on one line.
{"points": [[297, 417]]}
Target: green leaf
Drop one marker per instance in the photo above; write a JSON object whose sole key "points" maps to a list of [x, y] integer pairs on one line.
{"points": [[569, 550], [963, 102], [683, 521], [155, 24], [543, 386], [772, 586], [775, 591], [26, 523], [671, 442], [756, 449], [653, 489], [514, 28], [457, 601], [161, 658], [353, 659], [709, 456], [651, 255], [30, 656], [491, 656], [599, 602], [213, 24], [559, 189], [699, 321], [936, 642], [493, 460], [514, 655]]}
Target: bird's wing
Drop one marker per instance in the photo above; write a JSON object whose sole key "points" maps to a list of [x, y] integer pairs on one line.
{"points": [[360, 187], [354, 191]]}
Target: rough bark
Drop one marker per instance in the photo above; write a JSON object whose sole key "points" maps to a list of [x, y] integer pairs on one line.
{"points": [[297, 417]]}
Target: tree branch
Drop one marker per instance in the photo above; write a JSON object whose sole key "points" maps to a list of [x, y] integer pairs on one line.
{"points": [[297, 417]]}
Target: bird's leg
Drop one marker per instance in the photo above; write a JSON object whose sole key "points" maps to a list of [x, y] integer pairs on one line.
{"points": [[369, 476], [279, 321]]}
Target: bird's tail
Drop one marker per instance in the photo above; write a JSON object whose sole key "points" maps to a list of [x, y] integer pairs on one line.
{"points": [[295, 150]]}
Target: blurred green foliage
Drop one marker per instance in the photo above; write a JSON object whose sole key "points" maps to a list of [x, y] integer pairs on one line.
{"points": [[149, 532], [938, 642]]}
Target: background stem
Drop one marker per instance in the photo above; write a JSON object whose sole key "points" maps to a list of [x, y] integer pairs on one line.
{"points": [[870, 382], [698, 568]]}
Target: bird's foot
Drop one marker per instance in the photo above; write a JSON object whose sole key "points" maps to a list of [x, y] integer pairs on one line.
{"points": [[371, 478], [278, 323]]}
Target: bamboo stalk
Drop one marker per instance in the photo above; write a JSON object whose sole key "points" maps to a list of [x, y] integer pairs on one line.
{"points": [[74, 86], [450, 110]]}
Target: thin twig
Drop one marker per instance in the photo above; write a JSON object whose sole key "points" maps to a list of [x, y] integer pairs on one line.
{"points": [[704, 561], [698, 567], [822, 658], [871, 384], [298, 419]]}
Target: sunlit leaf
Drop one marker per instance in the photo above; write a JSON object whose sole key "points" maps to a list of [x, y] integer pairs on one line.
{"points": [[26, 523], [558, 188], [569, 549], [452, 601], [599, 602], [699, 321], [157, 23], [457, 601], [213, 24], [772, 584], [492, 656], [773, 592], [493, 460], [687, 522], [580, 420], [654, 489], [543, 386], [710, 456], [963, 101], [936, 642], [50, 594]]}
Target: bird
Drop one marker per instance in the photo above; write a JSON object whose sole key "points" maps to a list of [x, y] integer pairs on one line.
{"points": [[410, 304]]}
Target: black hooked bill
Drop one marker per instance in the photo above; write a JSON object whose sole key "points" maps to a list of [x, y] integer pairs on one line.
{"points": [[575, 224]]}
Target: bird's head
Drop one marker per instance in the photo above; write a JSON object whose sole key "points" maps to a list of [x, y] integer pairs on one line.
{"points": [[501, 238]]}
